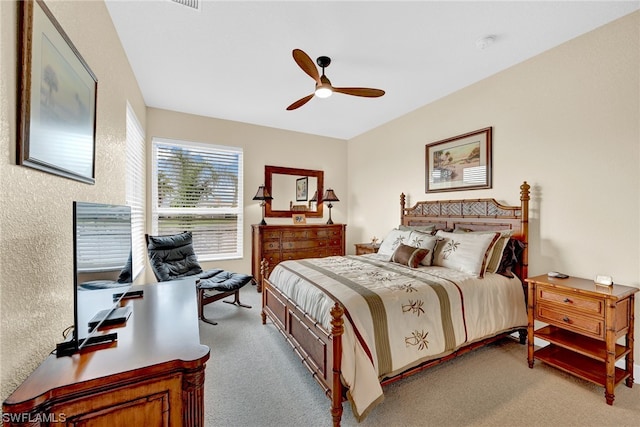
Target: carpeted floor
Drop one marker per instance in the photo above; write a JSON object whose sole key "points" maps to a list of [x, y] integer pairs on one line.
{"points": [[255, 379]]}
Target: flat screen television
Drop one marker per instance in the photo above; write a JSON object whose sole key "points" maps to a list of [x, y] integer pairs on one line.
{"points": [[102, 271]]}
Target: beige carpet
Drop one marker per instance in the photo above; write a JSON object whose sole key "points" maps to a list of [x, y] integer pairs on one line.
{"points": [[254, 379]]}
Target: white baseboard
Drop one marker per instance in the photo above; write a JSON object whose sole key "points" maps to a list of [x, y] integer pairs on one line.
{"points": [[620, 363]]}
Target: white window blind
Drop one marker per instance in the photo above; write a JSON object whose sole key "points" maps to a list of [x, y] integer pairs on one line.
{"points": [[198, 187], [103, 238], [135, 189]]}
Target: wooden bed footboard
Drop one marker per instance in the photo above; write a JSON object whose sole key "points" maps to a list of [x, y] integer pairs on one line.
{"points": [[320, 350]]}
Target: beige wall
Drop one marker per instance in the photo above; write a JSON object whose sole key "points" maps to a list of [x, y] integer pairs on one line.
{"points": [[261, 146], [36, 266], [566, 121]]}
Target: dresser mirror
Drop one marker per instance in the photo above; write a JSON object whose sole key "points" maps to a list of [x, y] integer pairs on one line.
{"points": [[293, 192]]}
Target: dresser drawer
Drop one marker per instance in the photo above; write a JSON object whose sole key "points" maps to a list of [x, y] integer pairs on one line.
{"points": [[271, 234], [273, 258], [271, 246], [591, 326], [579, 303], [309, 234], [308, 244]]}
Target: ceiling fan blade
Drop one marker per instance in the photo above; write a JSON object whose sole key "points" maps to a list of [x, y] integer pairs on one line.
{"points": [[306, 63], [300, 102], [360, 91]]}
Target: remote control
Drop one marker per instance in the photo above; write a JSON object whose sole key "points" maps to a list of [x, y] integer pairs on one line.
{"points": [[557, 275]]}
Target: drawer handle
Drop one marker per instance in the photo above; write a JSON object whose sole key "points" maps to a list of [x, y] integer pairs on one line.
{"points": [[566, 319], [567, 300]]}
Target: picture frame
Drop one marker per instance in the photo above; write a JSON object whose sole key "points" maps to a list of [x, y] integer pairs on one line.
{"points": [[57, 98], [302, 189], [462, 162], [299, 219]]}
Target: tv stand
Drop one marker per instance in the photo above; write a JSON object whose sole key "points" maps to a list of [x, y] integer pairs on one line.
{"points": [[139, 381]]}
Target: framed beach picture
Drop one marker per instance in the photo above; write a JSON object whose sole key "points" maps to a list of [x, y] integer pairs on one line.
{"points": [[299, 219], [57, 100], [302, 189], [462, 162]]}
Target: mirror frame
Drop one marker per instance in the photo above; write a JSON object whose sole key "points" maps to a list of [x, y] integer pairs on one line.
{"points": [[268, 179]]}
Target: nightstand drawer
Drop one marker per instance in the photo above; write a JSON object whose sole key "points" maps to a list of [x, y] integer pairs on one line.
{"points": [[584, 304], [591, 326]]}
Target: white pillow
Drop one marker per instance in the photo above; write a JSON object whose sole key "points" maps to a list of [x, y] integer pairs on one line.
{"points": [[423, 241], [466, 252], [392, 240], [496, 252]]}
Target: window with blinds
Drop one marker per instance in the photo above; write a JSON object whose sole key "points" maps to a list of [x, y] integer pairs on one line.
{"points": [[135, 189], [198, 187]]}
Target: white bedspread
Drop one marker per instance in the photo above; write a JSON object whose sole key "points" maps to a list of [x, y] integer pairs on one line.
{"points": [[397, 317]]}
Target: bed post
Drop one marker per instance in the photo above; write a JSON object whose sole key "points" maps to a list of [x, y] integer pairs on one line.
{"points": [[264, 273], [402, 201], [524, 203], [337, 329]]}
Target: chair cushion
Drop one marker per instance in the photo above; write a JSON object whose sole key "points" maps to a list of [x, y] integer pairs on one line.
{"points": [[172, 257], [221, 280]]}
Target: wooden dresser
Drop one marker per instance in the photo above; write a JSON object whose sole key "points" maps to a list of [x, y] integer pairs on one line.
{"points": [[584, 323], [152, 375], [275, 243]]}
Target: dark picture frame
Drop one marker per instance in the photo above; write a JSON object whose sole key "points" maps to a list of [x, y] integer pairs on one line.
{"points": [[462, 162], [302, 189], [57, 98]]}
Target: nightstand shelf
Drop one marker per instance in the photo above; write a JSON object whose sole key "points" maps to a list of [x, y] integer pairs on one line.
{"points": [[576, 364], [586, 346], [584, 323]]}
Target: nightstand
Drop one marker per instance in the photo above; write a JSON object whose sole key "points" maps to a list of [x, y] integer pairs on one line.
{"points": [[584, 322], [366, 248]]}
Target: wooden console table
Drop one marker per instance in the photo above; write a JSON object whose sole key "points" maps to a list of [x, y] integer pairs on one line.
{"points": [[152, 375]]}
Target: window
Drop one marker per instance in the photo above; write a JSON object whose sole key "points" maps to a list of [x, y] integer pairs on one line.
{"points": [[135, 189], [198, 187]]}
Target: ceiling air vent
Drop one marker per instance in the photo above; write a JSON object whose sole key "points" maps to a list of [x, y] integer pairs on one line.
{"points": [[193, 4]]}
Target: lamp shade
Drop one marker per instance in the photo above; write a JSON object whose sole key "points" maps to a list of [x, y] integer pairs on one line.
{"points": [[330, 196], [315, 197], [262, 194]]}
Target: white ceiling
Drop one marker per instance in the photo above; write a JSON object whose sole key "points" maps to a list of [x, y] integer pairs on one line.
{"points": [[232, 59]]}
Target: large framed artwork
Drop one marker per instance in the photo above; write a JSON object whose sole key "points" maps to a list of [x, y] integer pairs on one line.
{"points": [[462, 162], [57, 110]]}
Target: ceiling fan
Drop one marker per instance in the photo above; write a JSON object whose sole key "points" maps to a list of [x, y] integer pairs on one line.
{"points": [[323, 85]]}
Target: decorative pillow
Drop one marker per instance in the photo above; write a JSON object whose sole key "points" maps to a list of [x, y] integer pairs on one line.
{"points": [[498, 248], [408, 255], [424, 241], [421, 228], [392, 240], [466, 252], [510, 257]]}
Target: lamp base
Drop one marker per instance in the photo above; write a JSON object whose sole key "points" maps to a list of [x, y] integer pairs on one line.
{"points": [[263, 222], [329, 206]]}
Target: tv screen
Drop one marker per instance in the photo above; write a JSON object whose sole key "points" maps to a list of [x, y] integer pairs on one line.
{"points": [[102, 265]]}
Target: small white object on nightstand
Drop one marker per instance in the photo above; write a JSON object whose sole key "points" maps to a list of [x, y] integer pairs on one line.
{"points": [[604, 280]]}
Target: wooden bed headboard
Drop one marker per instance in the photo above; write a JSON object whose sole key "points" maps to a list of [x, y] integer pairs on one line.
{"points": [[474, 214]]}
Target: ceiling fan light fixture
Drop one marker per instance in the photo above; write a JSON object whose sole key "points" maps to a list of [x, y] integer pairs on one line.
{"points": [[323, 91]]}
